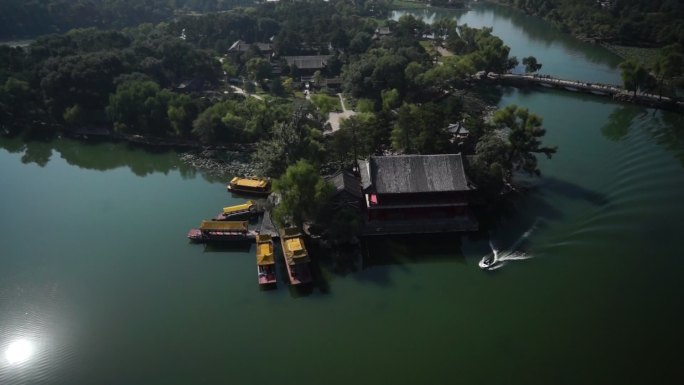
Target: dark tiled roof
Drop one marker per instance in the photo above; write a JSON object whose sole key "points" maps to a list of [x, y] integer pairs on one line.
{"points": [[308, 62], [416, 173], [241, 46], [345, 181], [382, 31]]}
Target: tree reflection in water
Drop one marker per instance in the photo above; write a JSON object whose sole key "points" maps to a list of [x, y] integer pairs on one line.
{"points": [[100, 156]]}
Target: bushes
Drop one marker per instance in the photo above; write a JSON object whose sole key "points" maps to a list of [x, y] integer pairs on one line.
{"points": [[326, 104]]}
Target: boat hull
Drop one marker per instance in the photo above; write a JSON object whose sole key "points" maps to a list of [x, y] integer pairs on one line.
{"points": [[266, 275], [299, 273], [197, 236], [234, 216], [238, 190]]}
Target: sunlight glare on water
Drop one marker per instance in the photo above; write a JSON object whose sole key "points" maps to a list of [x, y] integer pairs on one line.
{"points": [[19, 351]]}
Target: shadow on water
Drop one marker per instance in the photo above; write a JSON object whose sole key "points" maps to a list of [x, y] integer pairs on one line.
{"points": [[620, 122], [378, 251], [243, 247], [415, 248], [668, 131], [320, 264], [573, 191], [300, 291], [666, 128], [509, 224]]}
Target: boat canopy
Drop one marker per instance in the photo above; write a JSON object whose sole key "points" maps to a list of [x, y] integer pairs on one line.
{"points": [[249, 182], [294, 251], [265, 254], [223, 226], [237, 208], [293, 246]]}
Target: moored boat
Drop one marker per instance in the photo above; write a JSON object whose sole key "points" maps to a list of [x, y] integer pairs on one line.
{"points": [[296, 256], [244, 210], [222, 231], [254, 186], [265, 260]]}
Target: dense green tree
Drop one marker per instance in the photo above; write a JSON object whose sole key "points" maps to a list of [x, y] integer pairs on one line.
{"points": [[182, 111], [297, 137], [359, 136], [488, 168], [531, 64], [74, 115], [634, 76], [669, 64], [15, 100], [325, 103], [140, 107], [85, 79], [443, 28], [303, 192], [624, 22], [410, 26], [420, 129], [259, 69], [390, 99], [524, 132]]}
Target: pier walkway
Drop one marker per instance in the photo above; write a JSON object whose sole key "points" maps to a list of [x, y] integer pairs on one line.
{"points": [[267, 226]]}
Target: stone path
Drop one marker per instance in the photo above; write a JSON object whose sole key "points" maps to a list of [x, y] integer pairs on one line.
{"points": [[335, 118]]}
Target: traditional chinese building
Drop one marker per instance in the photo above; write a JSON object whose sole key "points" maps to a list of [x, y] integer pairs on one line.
{"points": [[411, 194]]}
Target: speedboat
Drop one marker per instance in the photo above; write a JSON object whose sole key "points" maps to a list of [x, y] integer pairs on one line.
{"points": [[490, 261], [487, 262]]}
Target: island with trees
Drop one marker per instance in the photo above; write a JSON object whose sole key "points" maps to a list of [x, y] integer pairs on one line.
{"points": [[267, 77]]}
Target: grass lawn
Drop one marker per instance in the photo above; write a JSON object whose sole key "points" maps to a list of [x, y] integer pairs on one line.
{"points": [[645, 56], [406, 4]]}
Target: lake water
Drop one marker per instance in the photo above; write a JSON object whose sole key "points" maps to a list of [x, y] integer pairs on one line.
{"points": [[98, 284]]}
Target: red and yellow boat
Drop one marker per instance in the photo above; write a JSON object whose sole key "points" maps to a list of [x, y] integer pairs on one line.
{"points": [[296, 257], [265, 257]]}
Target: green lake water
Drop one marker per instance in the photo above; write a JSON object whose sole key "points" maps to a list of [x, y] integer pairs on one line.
{"points": [[100, 286]]}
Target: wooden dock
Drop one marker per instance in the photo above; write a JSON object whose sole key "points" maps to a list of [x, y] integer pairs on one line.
{"points": [[613, 91]]}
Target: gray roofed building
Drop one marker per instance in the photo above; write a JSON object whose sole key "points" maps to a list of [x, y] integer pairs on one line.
{"points": [[345, 181], [401, 174], [409, 194], [315, 62], [241, 46], [381, 32], [347, 190]]}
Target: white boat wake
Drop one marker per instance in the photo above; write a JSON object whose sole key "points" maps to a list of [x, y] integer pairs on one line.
{"points": [[499, 258]]}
